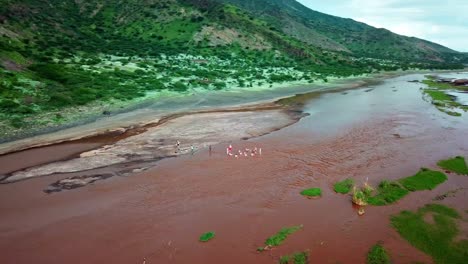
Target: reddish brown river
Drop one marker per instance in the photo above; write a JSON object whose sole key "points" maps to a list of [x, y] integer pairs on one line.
{"points": [[381, 132]]}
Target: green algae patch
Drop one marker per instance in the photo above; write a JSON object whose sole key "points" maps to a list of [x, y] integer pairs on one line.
{"points": [[425, 179], [295, 258], [378, 255], [207, 236], [278, 238], [312, 192], [344, 186], [387, 193], [457, 165], [433, 229]]}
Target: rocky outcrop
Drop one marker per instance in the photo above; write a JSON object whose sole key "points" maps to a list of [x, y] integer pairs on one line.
{"points": [[460, 82]]}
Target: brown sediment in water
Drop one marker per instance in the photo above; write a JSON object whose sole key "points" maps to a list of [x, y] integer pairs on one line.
{"points": [[160, 213]]}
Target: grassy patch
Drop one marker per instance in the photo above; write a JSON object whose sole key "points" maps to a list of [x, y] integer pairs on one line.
{"points": [[344, 186], [207, 236], [387, 193], [438, 95], [378, 255], [440, 99], [435, 239], [434, 84], [278, 238], [457, 165], [295, 258], [312, 192], [425, 179]]}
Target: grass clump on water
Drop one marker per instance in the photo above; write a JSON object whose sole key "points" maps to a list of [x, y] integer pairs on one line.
{"points": [[278, 238], [344, 186], [312, 192], [378, 255], [387, 193], [457, 165], [425, 179], [295, 258], [437, 238], [207, 236]]}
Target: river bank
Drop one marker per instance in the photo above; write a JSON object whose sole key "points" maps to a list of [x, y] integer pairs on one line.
{"points": [[139, 113]]}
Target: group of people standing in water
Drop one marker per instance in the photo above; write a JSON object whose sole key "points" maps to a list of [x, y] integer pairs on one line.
{"points": [[243, 153], [246, 152]]}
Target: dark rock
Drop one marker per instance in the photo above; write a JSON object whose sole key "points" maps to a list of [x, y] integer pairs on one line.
{"points": [[106, 112], [460, 82], [75, 182], [445, 80]]}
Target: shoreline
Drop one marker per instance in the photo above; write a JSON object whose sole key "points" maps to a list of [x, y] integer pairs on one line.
{"points": [[154, 141], [136, 116]]}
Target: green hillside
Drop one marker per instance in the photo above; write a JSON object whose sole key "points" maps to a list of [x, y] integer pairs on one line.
{"points": [[64, 60], [346, 34]]}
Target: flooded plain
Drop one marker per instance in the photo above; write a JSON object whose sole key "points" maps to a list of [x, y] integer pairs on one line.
{"points": [[380, 131]]}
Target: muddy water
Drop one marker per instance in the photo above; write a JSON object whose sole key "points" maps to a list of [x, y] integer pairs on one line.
{"points": [[380, 132]]}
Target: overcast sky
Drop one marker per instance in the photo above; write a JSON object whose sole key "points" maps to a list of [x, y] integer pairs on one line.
{"points": [[441, 21]]}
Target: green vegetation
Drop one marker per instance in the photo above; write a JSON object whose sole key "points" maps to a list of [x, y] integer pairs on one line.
{"points": [[436, 236], [78, 58], [344, 186], [443, 102], [457, 165], [279, 237], [378, 255], [207, 236], [312, 192], [295, 258], [425, 179], [387, 193]]}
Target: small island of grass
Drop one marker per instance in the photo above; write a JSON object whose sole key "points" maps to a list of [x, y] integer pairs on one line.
{"points": [[387, 193], [425, 179], [295, 258], [207, 236], [390, 192], [437, 238], [378, 255], [457, 165], [344, 186], [312, 192], [278, 238], [437, 92]]}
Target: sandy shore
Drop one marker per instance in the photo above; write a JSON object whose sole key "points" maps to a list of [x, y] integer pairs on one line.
{"points": [[156, 142], [385, 131]]}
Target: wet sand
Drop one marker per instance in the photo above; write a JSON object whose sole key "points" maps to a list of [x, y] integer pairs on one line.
{"points": [[385, 133], [193, 131]]}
